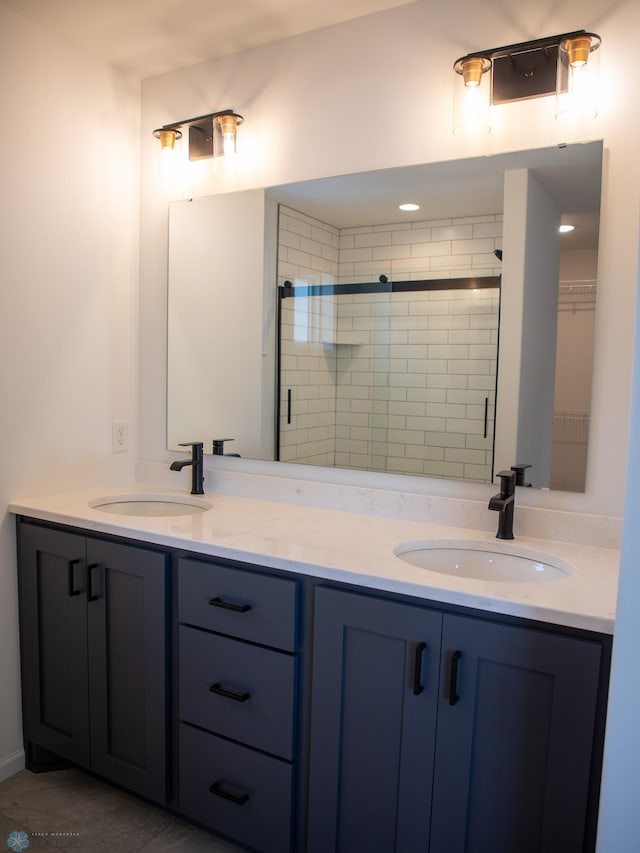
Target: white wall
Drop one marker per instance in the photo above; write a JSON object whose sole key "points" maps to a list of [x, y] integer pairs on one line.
{"points": [[529, 304], [618, 829], [68, 172]]}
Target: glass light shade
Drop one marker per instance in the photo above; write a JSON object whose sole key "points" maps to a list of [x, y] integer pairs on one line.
{"points": [[472, 96], [578, 77]]}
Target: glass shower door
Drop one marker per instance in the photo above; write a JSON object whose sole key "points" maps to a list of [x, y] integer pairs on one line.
{"points": [[388, 377]]}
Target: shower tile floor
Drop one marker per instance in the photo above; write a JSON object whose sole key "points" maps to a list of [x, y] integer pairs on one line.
{"points": [[71, 811]]}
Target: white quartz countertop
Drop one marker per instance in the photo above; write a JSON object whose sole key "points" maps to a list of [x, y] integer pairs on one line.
{"points": [[353, 548]]}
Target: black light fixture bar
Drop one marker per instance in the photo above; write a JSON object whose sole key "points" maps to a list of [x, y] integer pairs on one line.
{"points": [[534, 44], [525, 70]]}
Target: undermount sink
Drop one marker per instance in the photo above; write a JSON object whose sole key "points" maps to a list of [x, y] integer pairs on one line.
{"points": [[150, 505], [484, 560]]}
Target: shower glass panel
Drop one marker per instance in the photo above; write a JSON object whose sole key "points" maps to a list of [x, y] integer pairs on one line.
{"points": [[395, 377]]}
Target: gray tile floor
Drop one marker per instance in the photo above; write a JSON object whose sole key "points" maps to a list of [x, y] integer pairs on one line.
{"points": [[71, 811]]}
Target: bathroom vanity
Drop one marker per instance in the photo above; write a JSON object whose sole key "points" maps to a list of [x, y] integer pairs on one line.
{"points": [[279, 675]]}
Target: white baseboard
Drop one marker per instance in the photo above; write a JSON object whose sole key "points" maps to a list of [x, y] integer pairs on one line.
{"points": [[11, 764]]}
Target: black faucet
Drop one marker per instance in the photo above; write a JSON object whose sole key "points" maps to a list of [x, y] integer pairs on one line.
{"points": [[196, 461], [503, 502]]}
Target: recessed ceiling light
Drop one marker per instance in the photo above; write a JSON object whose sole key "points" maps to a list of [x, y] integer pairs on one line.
{"points": [[564, 229], [409, 205]]}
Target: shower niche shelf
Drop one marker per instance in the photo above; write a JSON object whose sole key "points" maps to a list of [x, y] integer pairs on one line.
{"points": [[347, 338]]}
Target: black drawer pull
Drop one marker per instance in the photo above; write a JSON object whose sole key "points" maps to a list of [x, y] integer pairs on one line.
{"points": [[73, 565], [453, 677], [91, 595], [228, 693], [237, 608], [417, 669], [219, 791]]}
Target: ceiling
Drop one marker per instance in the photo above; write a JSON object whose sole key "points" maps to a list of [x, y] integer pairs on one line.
{"points": [[149, 37], [571, 176]]}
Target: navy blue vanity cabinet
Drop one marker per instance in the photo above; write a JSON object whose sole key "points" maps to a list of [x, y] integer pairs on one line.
{"points": [[515, 742], [94, 655], [373, 724], [449, 733], [238, 641]]}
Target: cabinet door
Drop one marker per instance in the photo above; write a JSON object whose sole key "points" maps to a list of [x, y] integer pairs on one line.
{"points": [[375, 681], [53, 635], [514, 749], [127, 598]]}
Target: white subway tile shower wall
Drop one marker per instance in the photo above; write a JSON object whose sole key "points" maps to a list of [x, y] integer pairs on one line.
{"points": [[411, 399], [307, 248], [307, 254], [443, 248], [404, 389]]}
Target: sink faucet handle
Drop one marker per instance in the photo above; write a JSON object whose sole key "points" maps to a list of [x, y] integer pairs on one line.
{"points": [[520, 468], [218, 445], [507, 483], [197, 450]]}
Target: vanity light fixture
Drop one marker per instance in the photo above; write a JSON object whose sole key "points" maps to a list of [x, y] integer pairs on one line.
{"points": [[555, 65], [211, 135]]}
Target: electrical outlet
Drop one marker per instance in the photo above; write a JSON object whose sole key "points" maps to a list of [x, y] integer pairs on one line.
{"points": [[119, 436]]}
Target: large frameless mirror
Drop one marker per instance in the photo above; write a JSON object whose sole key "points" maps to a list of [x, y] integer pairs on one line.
{"points": [[316, 323]]}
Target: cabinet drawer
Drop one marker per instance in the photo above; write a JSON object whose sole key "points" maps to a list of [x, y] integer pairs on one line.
{"points": [[240, 603], [258, 812], [254, 697]]}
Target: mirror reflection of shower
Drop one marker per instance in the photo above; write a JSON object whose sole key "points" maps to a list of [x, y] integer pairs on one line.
{"points": [[386, 376]]}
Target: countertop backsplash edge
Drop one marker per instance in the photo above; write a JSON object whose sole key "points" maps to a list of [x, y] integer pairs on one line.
{"points": [[559, 525]]}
